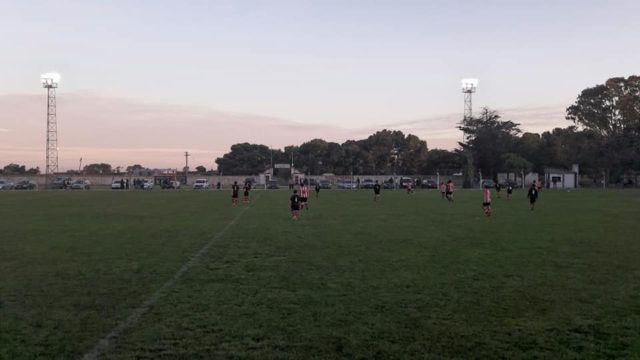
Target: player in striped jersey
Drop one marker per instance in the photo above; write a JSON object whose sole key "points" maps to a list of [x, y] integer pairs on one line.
{"points": [[304, 196]]}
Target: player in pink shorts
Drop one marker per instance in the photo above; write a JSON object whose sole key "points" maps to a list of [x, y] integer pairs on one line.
{"points": [[486, 201]]}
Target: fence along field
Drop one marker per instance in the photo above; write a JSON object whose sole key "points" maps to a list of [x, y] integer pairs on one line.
{"points": [[407, 277]]}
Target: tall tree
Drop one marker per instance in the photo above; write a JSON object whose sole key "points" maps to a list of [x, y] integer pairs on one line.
{"points": [[609, 109], [487, 139], [612, 111], [244, 159]]}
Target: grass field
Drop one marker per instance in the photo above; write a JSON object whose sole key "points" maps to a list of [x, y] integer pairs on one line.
{"points": [[409, 277]]}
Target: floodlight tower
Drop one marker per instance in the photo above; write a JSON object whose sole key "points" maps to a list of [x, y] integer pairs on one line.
{"points": [[50, 82], [469, 86]]}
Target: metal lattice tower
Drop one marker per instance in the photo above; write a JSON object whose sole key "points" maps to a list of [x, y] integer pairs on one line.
{"points": [[50, 82], [469, 86], [468, 106]]}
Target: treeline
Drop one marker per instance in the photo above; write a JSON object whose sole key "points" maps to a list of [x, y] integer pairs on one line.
{"points": [[604, 138], [15, 169], [384, 152]]}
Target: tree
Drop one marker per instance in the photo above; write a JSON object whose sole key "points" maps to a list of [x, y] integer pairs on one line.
{"points": [[95, 169], [609, 109], [201, 169], [133, 168], [516, 164], [443, 161], [612, 112], [33, 171], [244, 159], [12, 169], [487, 138]]}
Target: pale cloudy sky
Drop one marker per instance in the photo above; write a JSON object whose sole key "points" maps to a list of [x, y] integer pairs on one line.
{"points": [[144, 81]]}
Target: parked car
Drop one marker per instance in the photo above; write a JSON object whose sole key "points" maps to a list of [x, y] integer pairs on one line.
{"points": [[429, 184], [346, 184], [59, 182], [406, 182], [273, 184], [201, 184], [147, 184], [25, 185], [6, 185], [170, 184], [388, 185], [325, 184], [80, 185], [116, 185], [367, 184]]}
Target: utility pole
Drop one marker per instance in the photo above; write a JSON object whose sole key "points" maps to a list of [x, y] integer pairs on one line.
{"points": [[80, 167], [186, 162]]}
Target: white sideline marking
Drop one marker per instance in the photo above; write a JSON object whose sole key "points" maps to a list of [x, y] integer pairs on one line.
{"points": [[104, 343]]}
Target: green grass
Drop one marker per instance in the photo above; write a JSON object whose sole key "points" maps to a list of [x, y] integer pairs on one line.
{"points": [[409, 277]]}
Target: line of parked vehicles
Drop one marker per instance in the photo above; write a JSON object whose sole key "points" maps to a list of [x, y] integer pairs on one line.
{"points": [[20, 185], [203, 184]]}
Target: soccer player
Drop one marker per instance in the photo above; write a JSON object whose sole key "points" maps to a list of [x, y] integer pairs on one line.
{"points": [[533, 196], [449, 192], [247, 188], [234, 193], [317, 189], [295, 205], [509, 191], [304, 196], [486, 202], [498, 189], [409, 187], [376, 191], [443, 189]]}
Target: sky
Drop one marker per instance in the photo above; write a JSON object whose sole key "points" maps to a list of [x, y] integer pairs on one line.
{"points": [[144, 81]]}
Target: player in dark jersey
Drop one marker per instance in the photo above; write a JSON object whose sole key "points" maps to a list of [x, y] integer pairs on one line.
{"points": [[247, 188], [509, 191], [376, 191], [295, 205], [234, 193], [498, 187], [450, 188], [317, 189], [532, 195]]}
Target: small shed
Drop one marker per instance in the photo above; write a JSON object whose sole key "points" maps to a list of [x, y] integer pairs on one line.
{"points": [[555, 178]]}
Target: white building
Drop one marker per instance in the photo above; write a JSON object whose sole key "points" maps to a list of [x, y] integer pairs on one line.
{"points": [[560, 178]]}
